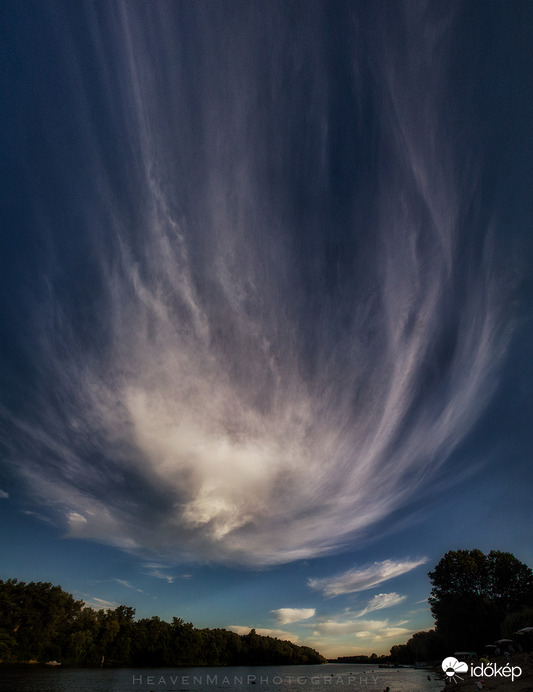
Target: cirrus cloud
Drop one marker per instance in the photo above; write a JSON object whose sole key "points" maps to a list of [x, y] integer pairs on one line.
{"points": [[366, 577], [381, 601], [228, 381], [377, 629]]}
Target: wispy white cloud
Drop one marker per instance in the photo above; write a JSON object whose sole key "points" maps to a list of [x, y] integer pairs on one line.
{"points": [[101, 604], [350, 634], [360, 628], [381, 601], [392, 632], [248, 401], [284, 616], [365, 577], [127, 585], [75, 519], [39, 516], [3, 495], [154, 569]]}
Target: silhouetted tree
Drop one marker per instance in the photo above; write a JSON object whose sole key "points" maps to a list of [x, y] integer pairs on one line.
{"points": [[473, 593], [40, 621]]}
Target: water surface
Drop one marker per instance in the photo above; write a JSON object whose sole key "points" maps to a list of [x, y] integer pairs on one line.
{"points": [[332, 677]]}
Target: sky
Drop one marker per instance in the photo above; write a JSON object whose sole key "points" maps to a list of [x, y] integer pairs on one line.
{"points": [[266, 316]]}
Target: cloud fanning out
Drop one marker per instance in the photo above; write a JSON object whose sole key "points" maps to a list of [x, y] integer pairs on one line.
{"points": [[362, 578], [270, 346]]}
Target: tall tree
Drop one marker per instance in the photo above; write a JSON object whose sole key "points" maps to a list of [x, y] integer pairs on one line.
{"points": [[473, 593]]}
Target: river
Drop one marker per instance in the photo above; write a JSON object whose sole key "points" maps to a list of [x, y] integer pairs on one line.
{"points": [[331, 677]]}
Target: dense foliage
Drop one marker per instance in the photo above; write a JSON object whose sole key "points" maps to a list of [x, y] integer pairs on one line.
{"points": [[42, 622], [475, 600], [422, 647], [473, 593]]}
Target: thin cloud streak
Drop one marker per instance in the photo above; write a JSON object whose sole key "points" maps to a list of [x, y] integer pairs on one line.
{"points": [[360, 628], [100, 604], [156, 570], [381, 601], [367, 577], [240, 398], [127, 585]]}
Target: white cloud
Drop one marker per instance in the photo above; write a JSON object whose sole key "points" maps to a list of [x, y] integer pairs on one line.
{"points": [[393, 632], [100, 604], [75, 518], [366, 577], [360, 628], [334, 627], [347, 634], [239, 411], [127, 585], [284, 616], [154, 569], [381, 601], [3, 495], [39, 516]]}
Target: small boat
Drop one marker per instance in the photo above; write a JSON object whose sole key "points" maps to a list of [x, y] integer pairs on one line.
{"points": [[52, 663]]}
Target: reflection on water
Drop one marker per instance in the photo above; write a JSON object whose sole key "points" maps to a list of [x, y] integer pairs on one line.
{"points": [[331, 677]]}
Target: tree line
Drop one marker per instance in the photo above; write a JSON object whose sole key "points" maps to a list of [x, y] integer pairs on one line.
{"points": [[475, 600], [39, 621]]}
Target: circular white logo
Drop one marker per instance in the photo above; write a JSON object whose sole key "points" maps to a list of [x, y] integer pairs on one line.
{"points": [[451, 666]]}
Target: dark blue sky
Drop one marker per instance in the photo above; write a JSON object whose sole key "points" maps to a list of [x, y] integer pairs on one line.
{"points": [[266, 306]]}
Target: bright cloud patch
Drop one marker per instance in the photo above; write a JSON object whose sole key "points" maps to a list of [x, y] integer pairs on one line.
{"points": [[3, 495], [362, 578], [284, 616], [75, 518]]}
